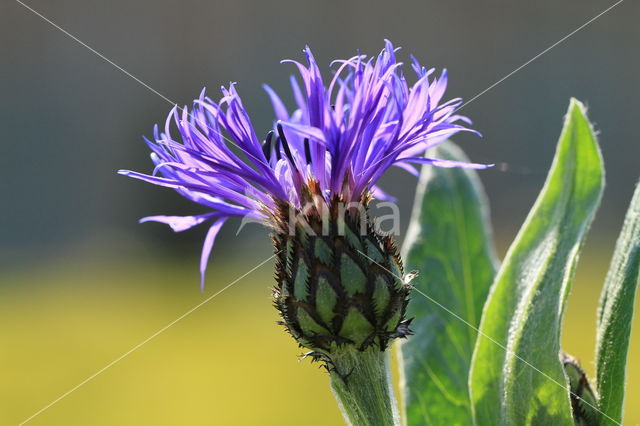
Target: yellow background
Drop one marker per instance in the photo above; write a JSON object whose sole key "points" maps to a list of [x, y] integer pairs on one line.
{"points": [[227, 363]]}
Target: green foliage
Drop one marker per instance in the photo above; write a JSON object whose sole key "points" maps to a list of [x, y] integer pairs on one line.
{"points": [[615, 315], [486, 348], [516, 375], [449, 242]]}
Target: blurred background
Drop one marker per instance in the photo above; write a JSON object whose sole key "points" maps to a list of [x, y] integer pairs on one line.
{"points": [[81, 282]]}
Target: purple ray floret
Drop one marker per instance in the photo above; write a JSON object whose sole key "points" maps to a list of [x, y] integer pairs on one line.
{"points": [[342, 135]]}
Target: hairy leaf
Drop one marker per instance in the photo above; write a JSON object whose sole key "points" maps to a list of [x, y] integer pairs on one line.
{"points": [[449, 242], [516, 373], [615, 316]]}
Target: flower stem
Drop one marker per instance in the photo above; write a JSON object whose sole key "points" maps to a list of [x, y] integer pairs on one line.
{"points": [[361, 382]]}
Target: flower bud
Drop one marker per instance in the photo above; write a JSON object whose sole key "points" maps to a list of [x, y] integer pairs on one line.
{"points": [[339, 282], [583, 400]]}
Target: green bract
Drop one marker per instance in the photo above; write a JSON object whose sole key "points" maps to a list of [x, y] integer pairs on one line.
{"points": [[339, 283], [583, 401], [342, 294]]}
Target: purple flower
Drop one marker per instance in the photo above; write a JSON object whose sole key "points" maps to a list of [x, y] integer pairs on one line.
{"points": [[341, 138]]}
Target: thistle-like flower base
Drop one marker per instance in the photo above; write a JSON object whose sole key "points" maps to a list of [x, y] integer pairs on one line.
{"points": [[339, 283], [341, 294]]}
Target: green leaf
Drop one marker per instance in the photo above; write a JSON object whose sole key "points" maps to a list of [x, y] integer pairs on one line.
{"points": [[615, 315], [516, 373], [449, 242]]}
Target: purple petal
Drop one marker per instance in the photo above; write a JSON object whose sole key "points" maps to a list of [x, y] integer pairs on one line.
{"points": [[306, 131], [409, 168], [207, 246], [378, 193], [447, 163], [278, 107], [180, 223]]}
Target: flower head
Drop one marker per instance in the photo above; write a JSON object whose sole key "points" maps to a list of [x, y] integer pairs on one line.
{"points": [[335, 145]]}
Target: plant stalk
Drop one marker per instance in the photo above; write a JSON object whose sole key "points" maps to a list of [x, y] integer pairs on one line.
{"points": [[361, 383]]}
